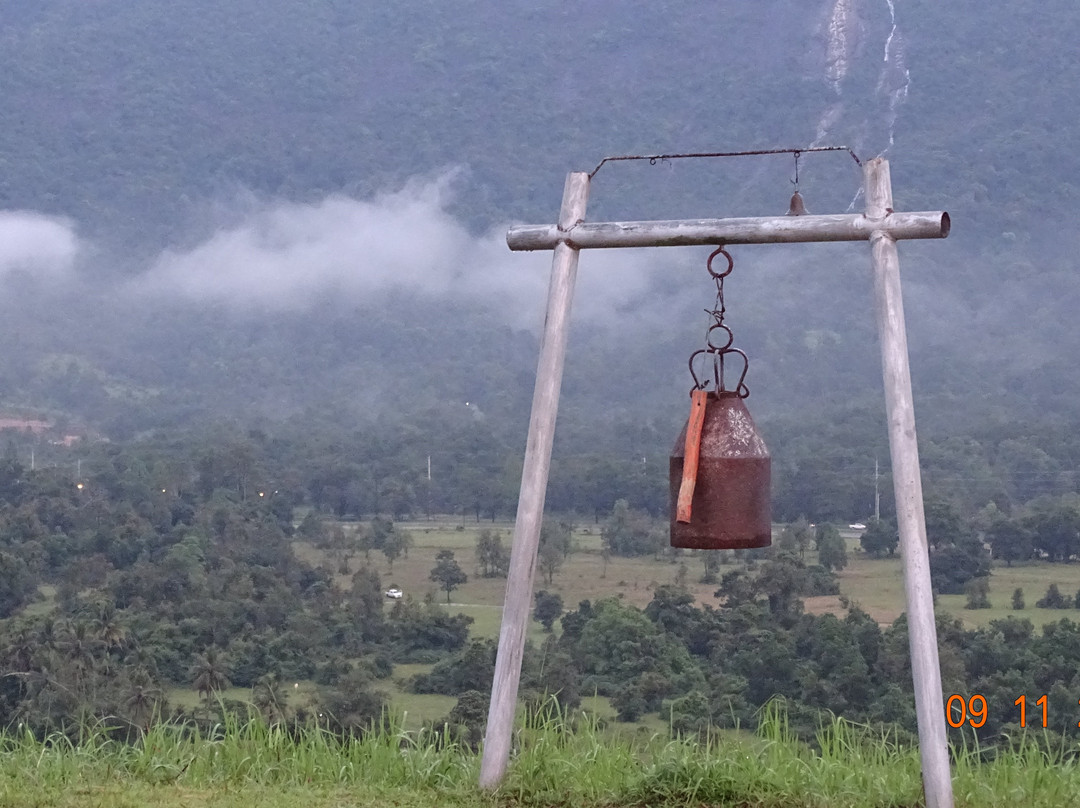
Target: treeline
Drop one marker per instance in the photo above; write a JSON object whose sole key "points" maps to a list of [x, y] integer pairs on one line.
{"points": [[1013, 488], [823, 468]]}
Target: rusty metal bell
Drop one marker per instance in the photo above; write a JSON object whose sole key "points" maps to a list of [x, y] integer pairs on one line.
{"points": [[720, 479]]}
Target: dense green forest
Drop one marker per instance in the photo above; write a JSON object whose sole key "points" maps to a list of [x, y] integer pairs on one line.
{"points": [[154, 565]]}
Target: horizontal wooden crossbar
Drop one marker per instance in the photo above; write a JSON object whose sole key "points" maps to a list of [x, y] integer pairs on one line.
{"points": [[756, 230]]}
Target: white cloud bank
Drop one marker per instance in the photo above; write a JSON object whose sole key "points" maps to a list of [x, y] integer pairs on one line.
{"points": [[36, 244], [288, 256]]}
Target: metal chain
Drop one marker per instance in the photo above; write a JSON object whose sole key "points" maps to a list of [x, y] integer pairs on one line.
{"points": [[718, 337]]}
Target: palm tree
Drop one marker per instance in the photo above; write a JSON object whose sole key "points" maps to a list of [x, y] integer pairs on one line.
{"points": [[269, 698], [48, 636], [19, 652], [209, 674], [80, 648], [110, 631], [143, 699]]}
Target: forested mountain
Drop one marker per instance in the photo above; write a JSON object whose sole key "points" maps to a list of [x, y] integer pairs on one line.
{"points": [[235, 240]]}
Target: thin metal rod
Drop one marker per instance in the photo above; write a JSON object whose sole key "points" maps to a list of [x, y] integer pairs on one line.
{"points": [[754, 230], [907, 485], [652, 158], [534, 478]]}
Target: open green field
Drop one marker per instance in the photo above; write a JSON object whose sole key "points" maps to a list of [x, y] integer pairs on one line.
{"points": [[876, 585]]}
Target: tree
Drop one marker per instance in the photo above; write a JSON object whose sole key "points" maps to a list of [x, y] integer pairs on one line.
{"points": [[550, 559], [549, 607], [269, 698], [1055, 527], [783, 580], [711, 560], [447, 573], [631, 533], [395, 543], [469, 717], [559, 534], [1053, 599], [80, 648], [472, 664], [313, 529], [491, 555], [953, 565], [978, 593], [880, 538], [681, 574], [18, 584], [796, 537], [209, 674], [142, 699], [1018, 599], [832, 549], [366, 602], [1010, 540], [353, 705], [944, 525], [556, 677]]}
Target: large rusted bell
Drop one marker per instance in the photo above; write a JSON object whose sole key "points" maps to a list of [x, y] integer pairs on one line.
{"points": [[727, 500]]}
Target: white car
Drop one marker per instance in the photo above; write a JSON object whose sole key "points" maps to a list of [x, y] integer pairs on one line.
{"points": [[394, 593], [857, 526]]}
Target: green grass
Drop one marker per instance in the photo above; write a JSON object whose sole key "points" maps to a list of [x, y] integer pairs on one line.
{"points": [[554, 764]]}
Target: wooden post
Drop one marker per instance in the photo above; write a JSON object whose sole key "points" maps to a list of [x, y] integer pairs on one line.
{"points": [[534, 476], [907, 484]]}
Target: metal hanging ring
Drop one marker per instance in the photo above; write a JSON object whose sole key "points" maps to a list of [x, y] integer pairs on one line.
{"points": [[730, 263], [727, 342]]}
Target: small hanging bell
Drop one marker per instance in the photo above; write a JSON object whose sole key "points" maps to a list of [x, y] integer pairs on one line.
{"points": [[796, 206], [720, 478]]}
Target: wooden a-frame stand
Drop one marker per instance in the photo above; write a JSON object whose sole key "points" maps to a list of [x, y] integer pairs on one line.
{"points": [[882, 227]]}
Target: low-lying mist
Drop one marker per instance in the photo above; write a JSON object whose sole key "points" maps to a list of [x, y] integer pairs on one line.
{"points": [[370, 304]]}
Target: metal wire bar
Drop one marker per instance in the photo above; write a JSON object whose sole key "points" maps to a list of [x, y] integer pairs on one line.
{"points": [[652, 158]]}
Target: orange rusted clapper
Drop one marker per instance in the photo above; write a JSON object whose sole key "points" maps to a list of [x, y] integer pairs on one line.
{"points": [[690, 455]]}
